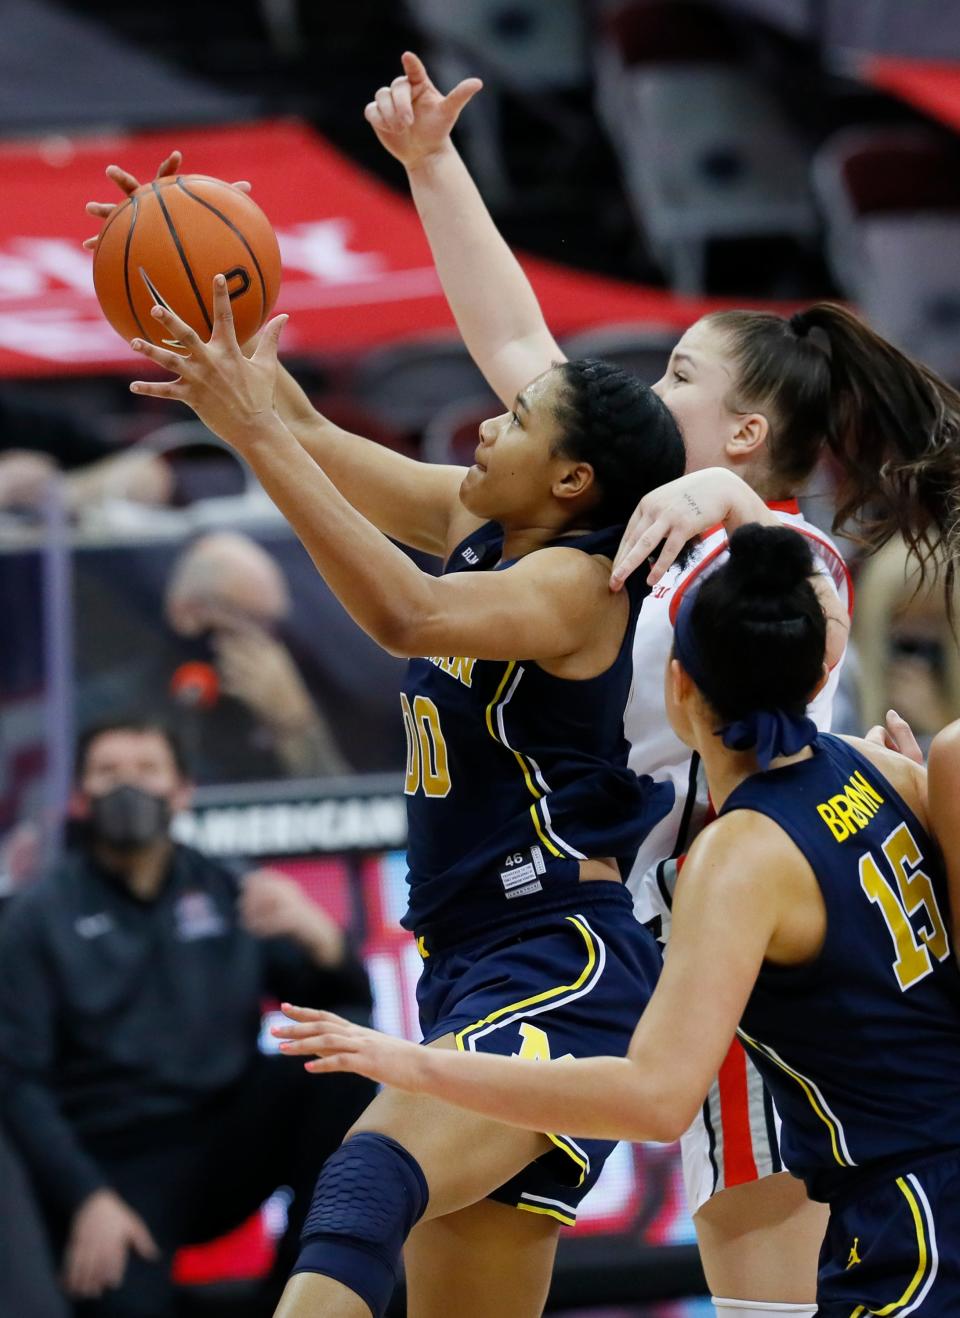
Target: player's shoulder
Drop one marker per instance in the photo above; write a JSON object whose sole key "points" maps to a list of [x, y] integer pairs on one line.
{"points": [[735, 852], [945, 746], [908, 779], [566, 566]]}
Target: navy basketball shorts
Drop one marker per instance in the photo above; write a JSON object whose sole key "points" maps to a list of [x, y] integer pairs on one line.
{"points": [[895, 1248], [571, 984]]}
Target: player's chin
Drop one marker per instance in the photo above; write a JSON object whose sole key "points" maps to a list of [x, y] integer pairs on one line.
{"points": [[475, 492]]}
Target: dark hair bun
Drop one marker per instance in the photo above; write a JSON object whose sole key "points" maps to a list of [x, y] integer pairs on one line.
{"points": [[769, 559]]}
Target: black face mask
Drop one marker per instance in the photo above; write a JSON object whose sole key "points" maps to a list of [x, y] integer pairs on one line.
{"points": [[128, 817]]}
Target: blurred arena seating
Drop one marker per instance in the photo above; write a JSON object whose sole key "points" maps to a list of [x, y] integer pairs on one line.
{"points": [[891, 204], [641, 348], [706, 151], [52, 74], [452, 433], [523, 48], [407, 382]]}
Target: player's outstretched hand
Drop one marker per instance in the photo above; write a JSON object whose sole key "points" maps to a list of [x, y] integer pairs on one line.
{"points": [[411, 118], [339, 1045], [674, 513], [896, 734], [233, 395], [127, 184]]}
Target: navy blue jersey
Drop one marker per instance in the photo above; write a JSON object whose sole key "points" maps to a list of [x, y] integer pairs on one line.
{"points": [[861, 1046], [514, 776]]}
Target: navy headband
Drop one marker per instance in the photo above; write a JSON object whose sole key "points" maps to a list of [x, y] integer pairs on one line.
{"points": [[771, 732]]}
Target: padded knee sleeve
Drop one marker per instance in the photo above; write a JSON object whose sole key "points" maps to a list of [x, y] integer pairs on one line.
{"points": [[368, 1197], [764, 1308]]}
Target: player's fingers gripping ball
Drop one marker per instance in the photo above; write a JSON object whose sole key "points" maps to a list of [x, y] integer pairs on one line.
{"points": [[166, 242]]}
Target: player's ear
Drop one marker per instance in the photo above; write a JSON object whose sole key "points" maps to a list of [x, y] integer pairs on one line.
{"points": [[821, 682], [575, 481], [680, 683], [751, 433]]}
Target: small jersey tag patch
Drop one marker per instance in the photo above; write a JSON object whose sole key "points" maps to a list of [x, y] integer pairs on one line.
{"points": [[521, 875]]}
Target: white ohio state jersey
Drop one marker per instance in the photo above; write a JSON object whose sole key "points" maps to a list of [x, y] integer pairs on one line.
{"points": [[654, 747]]}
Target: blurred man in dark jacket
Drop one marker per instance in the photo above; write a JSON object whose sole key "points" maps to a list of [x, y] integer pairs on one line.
{"points": [[131, 1082]]}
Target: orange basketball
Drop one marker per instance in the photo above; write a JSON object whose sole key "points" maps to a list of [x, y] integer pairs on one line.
{"points": [[166, 243]]}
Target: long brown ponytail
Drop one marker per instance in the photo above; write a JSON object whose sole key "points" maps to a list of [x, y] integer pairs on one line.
{"points": [[826, 381]]}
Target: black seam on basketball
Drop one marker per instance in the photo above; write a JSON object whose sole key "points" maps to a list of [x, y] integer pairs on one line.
{"points": [[115, 216], [126, 267], [230, 225], [183, 257]]}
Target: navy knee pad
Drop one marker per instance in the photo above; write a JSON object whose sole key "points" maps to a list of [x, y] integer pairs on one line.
{"points": [[368, 1197]]}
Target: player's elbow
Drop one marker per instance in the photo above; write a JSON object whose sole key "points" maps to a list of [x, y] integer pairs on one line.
{"points": [[670, 1122], [402, 632], [416, 625], [661, 1113]]}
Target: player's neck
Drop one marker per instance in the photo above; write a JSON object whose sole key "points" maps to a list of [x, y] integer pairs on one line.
{"points": [[519, 541], [727, 769]]}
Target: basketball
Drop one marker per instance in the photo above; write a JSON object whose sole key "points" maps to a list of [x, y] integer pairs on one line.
{"points": [[167, 241]]}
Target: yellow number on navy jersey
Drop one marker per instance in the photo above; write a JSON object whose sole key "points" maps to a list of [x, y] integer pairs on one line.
{"points": [[427, 764], [916, 893]]}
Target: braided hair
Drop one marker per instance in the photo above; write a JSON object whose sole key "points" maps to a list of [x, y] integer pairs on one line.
{"points": [[612, 420]]}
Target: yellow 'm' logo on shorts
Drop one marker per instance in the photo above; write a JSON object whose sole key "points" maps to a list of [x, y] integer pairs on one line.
{"points": [[851, 809]]}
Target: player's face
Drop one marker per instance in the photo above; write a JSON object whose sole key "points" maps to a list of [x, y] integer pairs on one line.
{"points": [[515, 463], [696, 386]]}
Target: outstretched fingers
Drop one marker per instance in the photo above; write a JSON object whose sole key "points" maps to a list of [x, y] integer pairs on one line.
{"points": [[310, 1014], [321, 1043], [171, 165], [464, 91], [223, 328], [635, 547], [170, 361], [179, 331], [414, 68], [269, 344], [173, 389], [124, 180], [668, 555]]}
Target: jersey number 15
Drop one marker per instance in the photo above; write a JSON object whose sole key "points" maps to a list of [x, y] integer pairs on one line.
{"points": [[914, 892]]}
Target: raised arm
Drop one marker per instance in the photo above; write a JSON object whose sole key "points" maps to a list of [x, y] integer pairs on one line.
{"points": [[414, 502], [725, 919], [549, 605], [495, 308]]}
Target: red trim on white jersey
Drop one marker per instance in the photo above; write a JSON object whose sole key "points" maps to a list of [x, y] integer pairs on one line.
{"points": [[739, 1164], [826, 553]]}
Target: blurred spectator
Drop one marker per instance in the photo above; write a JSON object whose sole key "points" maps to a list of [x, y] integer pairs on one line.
{"points": [[906, 651], [228, 591], [131, 1084], [37, 441], [207, 639]]}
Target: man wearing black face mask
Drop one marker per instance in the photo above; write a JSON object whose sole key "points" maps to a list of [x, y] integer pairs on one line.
{"points": [[130, 1078]]}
